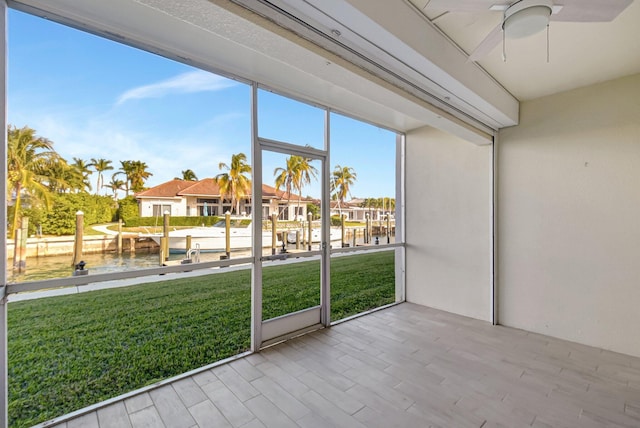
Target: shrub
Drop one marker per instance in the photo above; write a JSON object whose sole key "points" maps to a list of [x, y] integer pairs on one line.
{"points": [[174, 221], [61, 219], [127, 210]]}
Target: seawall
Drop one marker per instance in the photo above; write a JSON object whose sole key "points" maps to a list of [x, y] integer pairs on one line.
{"points": [[92, 244]]}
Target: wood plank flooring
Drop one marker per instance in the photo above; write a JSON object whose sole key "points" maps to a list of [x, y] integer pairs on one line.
{"points": [[405, 366]]}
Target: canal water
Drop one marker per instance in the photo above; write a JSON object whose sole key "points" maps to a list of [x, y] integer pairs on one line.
{"points": [[40, 268]]}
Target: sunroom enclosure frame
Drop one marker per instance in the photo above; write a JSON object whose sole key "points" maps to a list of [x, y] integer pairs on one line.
{"points": [[258, 144]]}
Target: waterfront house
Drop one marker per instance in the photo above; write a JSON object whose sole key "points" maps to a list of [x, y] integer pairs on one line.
{"points": [[203, 198]]}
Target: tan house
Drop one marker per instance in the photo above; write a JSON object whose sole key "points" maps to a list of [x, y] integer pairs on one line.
{"points": [[203, 198]]}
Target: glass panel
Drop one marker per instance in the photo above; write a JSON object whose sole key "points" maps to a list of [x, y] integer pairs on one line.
{"points": [[361, 281], [68, 352], [290, 121], [291, 195], [363, 181], [291, 190], [121, 122], [290, 287]]}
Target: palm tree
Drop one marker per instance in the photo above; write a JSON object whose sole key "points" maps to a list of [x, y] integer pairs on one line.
{"points": [[114, 185], [136, 173], [297, 173], [126, 169], [60, 176], [235, 182], [369, 203], [82, 171], [100, 166], [187, 175], [139, 176], [28, 161], [342, 179]]}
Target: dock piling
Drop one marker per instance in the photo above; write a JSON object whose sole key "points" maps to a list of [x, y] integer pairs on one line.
{"points": [[227, 234], [161, 254], [20, 246], [119, 243], [388, 229], [310, 234], [274, 237], [165, 234], [77, 244]]}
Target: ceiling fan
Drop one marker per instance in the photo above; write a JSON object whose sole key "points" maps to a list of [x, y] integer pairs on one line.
{"points": [[522, 18]]}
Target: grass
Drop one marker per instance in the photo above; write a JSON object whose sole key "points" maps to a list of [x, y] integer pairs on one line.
{"points": [[68, 352]]}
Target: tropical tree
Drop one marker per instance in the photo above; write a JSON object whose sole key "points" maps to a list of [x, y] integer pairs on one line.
{"points": [[370, 203], [114, 185], [187, 175], [235, 183], [139, 176], [100, 166], [387, 204], [297, 173], [61, 176], [342, 178], [135, 173], [80, 176], [28, 159]]}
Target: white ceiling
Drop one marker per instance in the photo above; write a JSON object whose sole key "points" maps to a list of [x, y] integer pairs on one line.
{"points": [[580, 53]]}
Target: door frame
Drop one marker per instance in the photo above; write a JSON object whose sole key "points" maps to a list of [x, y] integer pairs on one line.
{"points": [[264, 333]]}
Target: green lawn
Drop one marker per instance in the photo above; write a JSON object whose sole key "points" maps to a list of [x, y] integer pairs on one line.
{"points": [[72, 351]]}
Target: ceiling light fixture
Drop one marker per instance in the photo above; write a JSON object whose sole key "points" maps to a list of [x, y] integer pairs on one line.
{"points": [[526, 17]]}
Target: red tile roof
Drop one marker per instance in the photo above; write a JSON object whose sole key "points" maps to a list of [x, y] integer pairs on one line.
{"points": [[206, 187], [170, 189]]}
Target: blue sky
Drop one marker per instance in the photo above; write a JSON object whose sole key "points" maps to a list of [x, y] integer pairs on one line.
{"points": [[95, 98]]}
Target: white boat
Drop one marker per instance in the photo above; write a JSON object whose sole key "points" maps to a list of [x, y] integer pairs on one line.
{"points": [[335, 234], [213, 238]]}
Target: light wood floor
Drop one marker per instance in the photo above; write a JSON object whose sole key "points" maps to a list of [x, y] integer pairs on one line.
{"points": [[406, 366]]}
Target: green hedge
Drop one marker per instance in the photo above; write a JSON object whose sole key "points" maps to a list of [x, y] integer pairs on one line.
{"points": [[174, 221], [61, 219], [128, 210]]}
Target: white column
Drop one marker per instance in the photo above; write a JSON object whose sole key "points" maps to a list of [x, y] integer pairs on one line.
{"points": [[4, 420], [325, 267], [256, 224]]}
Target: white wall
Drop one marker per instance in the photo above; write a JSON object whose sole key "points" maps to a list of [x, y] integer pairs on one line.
{"points": [[178, 206], [448, 218], [569, 217]]}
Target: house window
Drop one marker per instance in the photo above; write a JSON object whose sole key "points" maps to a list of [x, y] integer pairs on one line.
{"points": [[159, 210], [207, 207], [283, 212]]}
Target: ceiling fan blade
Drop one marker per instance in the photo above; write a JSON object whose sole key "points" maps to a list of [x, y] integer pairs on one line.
{"points": [[465, 5], [590, 10], [488, 44]]}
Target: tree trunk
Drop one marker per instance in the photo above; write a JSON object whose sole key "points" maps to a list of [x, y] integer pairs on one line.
{"points": [[16, 209]]}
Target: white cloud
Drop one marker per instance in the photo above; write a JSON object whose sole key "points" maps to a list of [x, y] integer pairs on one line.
{"points": [[189, 82]]}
